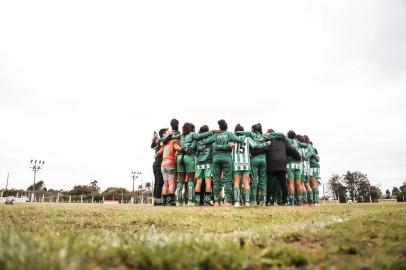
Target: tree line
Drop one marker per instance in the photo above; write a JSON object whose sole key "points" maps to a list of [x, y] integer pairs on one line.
{"points": [[87, 192], [355, 186]]}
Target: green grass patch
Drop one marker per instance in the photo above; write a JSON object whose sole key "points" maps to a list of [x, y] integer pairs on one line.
{"points": [[84, 236]]}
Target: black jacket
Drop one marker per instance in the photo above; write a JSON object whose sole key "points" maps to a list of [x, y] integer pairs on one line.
{"points": [[277, 155]]}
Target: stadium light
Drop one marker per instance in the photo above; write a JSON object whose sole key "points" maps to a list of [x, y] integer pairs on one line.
{"points": [[135, 175], [35, 166], [8, 176]]}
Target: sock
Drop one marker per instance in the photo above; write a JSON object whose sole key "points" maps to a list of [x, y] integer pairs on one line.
{"points": [[207, 198], [300, 199], [171, 199], [179, 189], [304, 197], [216, 198], [254, 196], [263, 199], [310, 197], [236, 195], [291, 199], [197, 197], [190, 191], [247, 193], [165, 199], [158, 200], [315, 195]]}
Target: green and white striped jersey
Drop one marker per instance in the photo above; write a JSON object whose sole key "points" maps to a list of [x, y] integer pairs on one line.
{"points": [[305, 164], [241, 156]]}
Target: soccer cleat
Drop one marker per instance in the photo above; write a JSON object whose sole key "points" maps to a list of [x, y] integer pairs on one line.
{"points": [[208, 203], [237, 204]]}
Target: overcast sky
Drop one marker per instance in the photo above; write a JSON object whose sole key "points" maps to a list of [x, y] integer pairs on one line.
{"points": [[83, 84]]}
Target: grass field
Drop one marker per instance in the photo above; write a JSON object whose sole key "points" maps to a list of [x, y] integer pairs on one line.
{"points": [[84, 236]]}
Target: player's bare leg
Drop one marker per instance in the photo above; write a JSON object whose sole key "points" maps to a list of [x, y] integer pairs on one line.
{"points": [[207, 198], [247, 189], [236, 189], [179, 187], [315, 188]]}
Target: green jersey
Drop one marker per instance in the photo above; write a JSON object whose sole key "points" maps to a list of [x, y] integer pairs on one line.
{"points": [[298, 147], [241, 156], [186, 141], [205, 151], [313, 157], [259, 138], [241, 153], [221, 141], [305, 166]]}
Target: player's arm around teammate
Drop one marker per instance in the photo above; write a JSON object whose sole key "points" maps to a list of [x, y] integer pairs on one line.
{"points": [[203, 168], [168, 170], [222, 161], [185, 163]]}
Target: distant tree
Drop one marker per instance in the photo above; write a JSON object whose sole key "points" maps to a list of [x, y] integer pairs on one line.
{"points": [[376, 193], [337, 188], [81, 190], [140, 187], [94, 185], [116, 190], [387, 194], [13, 192], [349, 181], [395, 192], [39, 186], [357, 185], [116, 193], [92, 188], [402, 192], [148, 185]]}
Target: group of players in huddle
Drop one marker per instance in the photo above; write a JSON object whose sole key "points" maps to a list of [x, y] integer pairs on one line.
{"points": [[219, 167]]}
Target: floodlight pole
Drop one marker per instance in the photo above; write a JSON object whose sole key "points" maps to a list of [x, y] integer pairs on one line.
{"points": [[8, 176], [35, 166], [142, 191], [369, 189], [135, 175]]}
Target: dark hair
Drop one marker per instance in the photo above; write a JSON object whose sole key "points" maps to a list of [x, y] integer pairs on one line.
{"points": [[175, 124], [204, 128], [257, 128], [162, 132], [299, 138], [222, 124], [270, 130], [306, 139], [193, 127], [291, 134], [238, 127], [187, 128]]}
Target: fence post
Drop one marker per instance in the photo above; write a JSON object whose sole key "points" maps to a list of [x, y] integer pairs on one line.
{"points": [[81, 198], [43, 197], [70, 198]]}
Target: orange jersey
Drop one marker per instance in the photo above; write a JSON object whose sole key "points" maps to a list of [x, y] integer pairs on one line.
{"points": [[169, 154]]}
